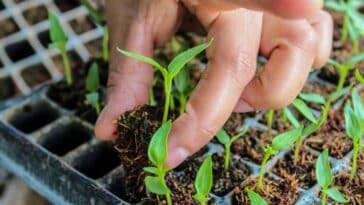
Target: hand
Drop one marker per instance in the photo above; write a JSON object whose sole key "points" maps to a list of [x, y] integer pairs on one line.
{"points": [[229, 83]]}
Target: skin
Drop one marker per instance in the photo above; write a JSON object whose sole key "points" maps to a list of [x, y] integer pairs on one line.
{"points": [[295, 41]]}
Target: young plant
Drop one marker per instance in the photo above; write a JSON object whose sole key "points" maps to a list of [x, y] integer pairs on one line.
{"points": [[92, 86], [353, 20], [354, 128], [97, 19], [324, 178], [203, 182], [344, 68], [171, 71], [255, 198], [270, 117], [158, 154], [59, 41], [183, 87], [279, 143], [225, 139]]}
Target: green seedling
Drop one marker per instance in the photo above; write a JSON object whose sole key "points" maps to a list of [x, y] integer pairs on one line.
{"points": [[279, 143], [354, 128], [225, 139], [353, 20], [203, 182], [59, 41], [183, 87], [359, 77], [171, 71], [97, 19], [255, 198], [270, 117], [324, 178], [158, 154], [344, 68], [92, 86]]}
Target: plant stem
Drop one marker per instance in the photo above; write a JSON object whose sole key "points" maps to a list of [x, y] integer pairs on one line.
{"points": [[98, 108], [297, 149], [227, 157], [270, 116], [182, 103], [343, 72], [344, 31], [105, 44], [262, 169], [67, 65], [152, 97], [168, 197], [323, 197], [354, 165], [167, 92], [356, 46]]}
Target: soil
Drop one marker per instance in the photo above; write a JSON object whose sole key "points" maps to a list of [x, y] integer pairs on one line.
{"points": [[361, 163], [66, 5], [318, 88], [331, 135], [35, 75], [19, 50], [352, 190], [278, 124], [95, 48], [7, 88], [275, 192], [8, 26], [82, 24], [35, 15], [302, 172]]}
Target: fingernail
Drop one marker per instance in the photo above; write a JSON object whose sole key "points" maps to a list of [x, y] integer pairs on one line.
{"points": [[176, 156], [242, 106]]}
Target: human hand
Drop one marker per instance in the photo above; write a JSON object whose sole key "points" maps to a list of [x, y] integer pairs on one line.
{"points": [[228, 84]]}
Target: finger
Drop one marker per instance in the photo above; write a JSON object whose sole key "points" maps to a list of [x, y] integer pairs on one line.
{"points": [[236, 41], [323, 25], [291, 56]]}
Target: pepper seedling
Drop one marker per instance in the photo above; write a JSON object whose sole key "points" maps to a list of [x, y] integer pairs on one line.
{"points": [[59, 41], [158, 154], [183, 87], [255, 198], [279, 143], [92, 86], [171, 71], [224, 138], [203, 182], [344, 68], [97, 19], [354, 128], [353, 23], [270, 117], [324, 178]]}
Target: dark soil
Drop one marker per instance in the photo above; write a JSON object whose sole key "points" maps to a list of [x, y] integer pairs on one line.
{"points": [[35, 15], [302, 172], [331, 135], [35, 75], [82, 24], [7, 88], [352, 190], [278, 123], [275, 192], [8, 26]]}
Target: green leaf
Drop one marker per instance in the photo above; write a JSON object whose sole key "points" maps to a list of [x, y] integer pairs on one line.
{"points": [[336, 195], [313, 98], [255, 198], [93, 99], [359, 77], [291, 118], [142, 58], [358, 104], [285, 139], [223, 137], [152, 170], [337, 94], [93, 80], [356, 59], [156, 185], [352, 123], [182, 81], [204, 178], [304, 110], [334, 5], [57, 34], [323, 170], [183, 58], [158, 150], [240, 134], [95, 16], [334, 63]]}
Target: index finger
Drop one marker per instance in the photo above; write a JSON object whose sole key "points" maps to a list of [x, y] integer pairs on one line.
{"points": [[232, 61]]}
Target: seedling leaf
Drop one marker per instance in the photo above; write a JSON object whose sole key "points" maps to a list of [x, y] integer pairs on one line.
{"points": [[158, 150], [336, 195], [57, 34], [95, 16], [203, 182], [255, 198], [93, 98], [241, 133], [323, 170], [155, 185], [291, 118], [352, 123], [304, 110], [334, 6], [223, 137], [182, 81], [186, 56], [358, 104], [284, 140], [313, 98], [337, 94], [358, 76], [356, 59], [93, 80], [142, 58], [152, 170]]}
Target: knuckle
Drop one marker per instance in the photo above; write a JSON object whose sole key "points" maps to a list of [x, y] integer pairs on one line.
{"points": [[279, 99], [305, 39]]}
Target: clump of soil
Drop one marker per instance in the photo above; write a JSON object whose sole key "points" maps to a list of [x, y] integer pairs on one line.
{"points": [[331, 135], [302, 172], [361, 163], [352, 190], [275, 192]]}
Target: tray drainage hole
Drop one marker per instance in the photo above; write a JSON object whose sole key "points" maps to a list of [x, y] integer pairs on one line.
{"points": [[98, 161], [8, 88], [66, 5], [65, 138], [44, 38], [35, 15], [32, 117], [35, 75], [19, 50], [8, 27], [1, 5]]}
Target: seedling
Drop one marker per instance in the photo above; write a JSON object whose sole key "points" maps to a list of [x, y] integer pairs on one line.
{"points": [[171, 71], [270, 117], [203, 182], [359, 77], [225, 139], [324, 178], [92, 86], [353, 20], [279, 143], [183, 87], [97, 19], [354, 128], [344, 69], [59, 41], [255, 198], [158, 154]]}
